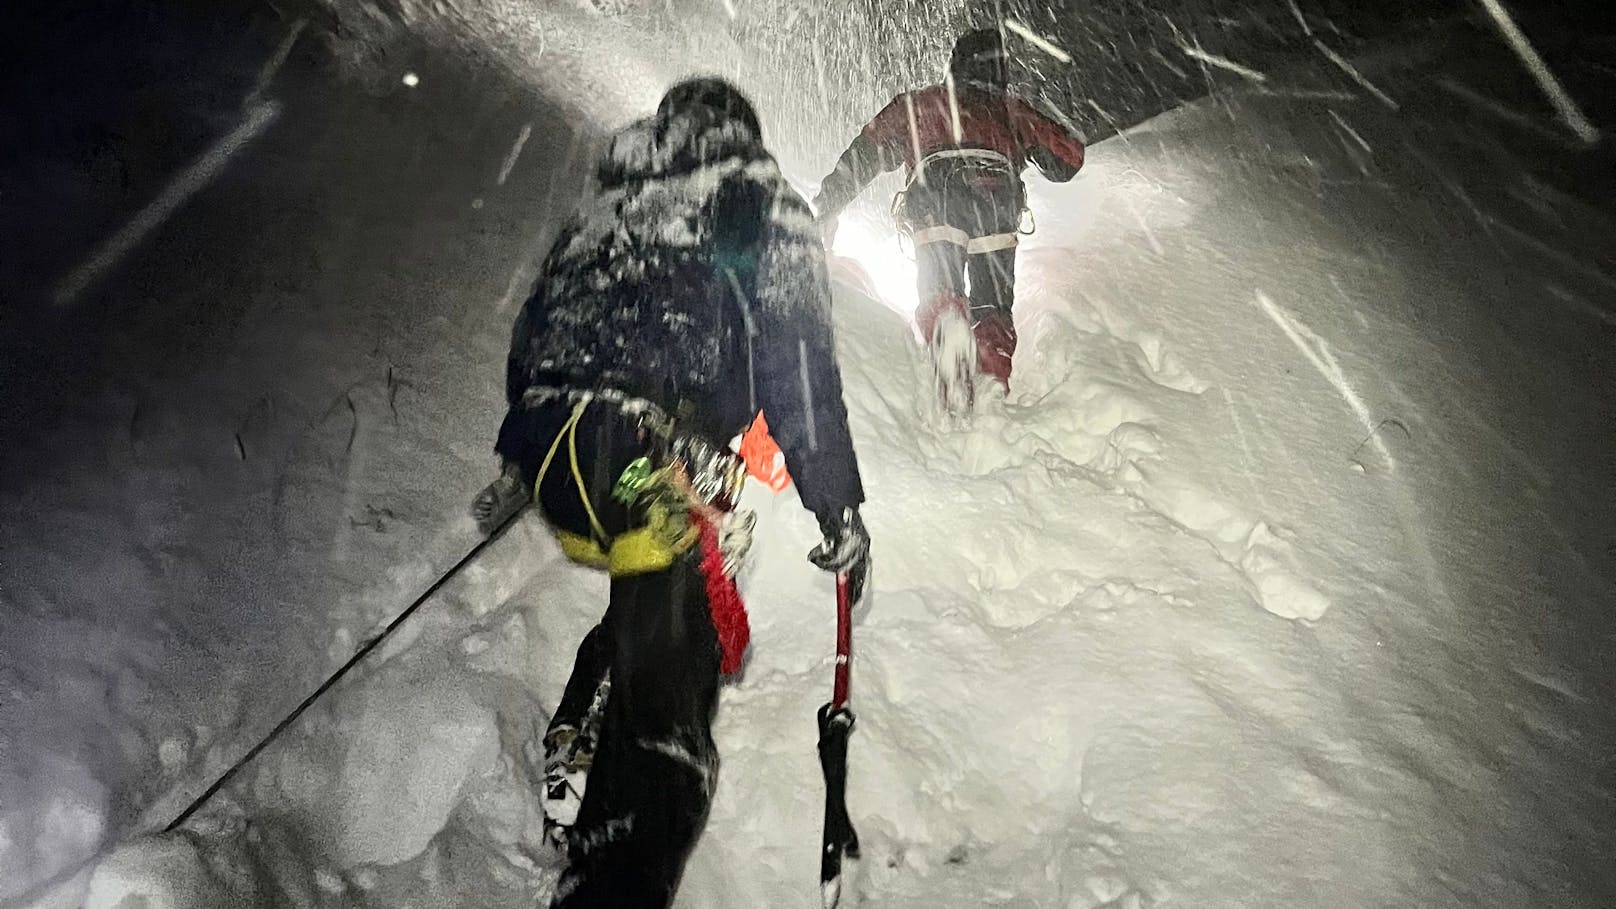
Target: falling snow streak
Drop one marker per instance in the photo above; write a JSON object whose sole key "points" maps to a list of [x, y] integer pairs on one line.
{"points": [[1197, 53], [1171, 67], [1499, 109], [953, 111], [914, 136], [514, 153], [1110, 121], [1306, 94], [521, 280], [1352, 143], [807, 395], [1580, 305], [1352, 71], [266, 74], [751, 334], [186, 184], [1441, 176], [1037, 40], [1566, 261], [1245, 446], [1569, 112], [819, 75], [1318, 353], [1351, 132], [1301, 19], [1059, 116], [1144, 226]]}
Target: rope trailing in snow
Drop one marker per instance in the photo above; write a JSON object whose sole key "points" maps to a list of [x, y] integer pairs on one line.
{"points": [[336, 677]]}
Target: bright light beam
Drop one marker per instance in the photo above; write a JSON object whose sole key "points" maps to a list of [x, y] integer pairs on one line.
{"points": [[889, 273]]}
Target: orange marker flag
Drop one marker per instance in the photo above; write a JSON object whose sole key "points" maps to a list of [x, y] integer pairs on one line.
{"points": [[763, 457]]}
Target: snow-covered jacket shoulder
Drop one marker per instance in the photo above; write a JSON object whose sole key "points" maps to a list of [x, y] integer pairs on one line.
{"points": [[693, 277]]}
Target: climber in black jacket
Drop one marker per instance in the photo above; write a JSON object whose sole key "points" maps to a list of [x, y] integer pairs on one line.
{"points": [[686, 294]]}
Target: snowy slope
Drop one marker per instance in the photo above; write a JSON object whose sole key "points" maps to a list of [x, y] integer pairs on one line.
{"points": [[274, 455], [1275, 583], [1084, 692]]}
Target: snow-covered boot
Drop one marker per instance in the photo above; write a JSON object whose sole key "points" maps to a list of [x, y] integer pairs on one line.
{"points": [[944, 323], [502, 498], [569, 752], [995, 333]]}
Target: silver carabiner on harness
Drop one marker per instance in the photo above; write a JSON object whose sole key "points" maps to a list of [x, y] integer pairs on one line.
{"points": [[900, 220]]}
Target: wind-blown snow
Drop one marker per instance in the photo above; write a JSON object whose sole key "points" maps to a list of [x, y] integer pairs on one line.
{"points": [[1271, 584]]}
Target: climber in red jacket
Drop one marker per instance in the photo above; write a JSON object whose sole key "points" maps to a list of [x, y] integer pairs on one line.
{"points": [[963, 145]]}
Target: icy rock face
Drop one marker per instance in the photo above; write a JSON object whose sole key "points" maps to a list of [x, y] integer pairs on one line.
{"points": [[404, 756], [50, 818]]}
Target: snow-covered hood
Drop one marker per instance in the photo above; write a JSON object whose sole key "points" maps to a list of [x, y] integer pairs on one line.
{"points": [[657, 147]]}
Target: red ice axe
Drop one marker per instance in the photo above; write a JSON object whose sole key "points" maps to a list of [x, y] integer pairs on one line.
{"points": [[835, 721]]}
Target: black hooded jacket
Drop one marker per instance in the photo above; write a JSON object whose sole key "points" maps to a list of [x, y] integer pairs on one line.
{"points": [[694, 278]]}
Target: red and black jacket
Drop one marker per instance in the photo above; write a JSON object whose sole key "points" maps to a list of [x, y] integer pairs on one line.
{"points": [[921, 123]]}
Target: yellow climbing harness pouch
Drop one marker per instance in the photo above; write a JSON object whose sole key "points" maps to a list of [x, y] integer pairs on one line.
{"points": [[638, 551], [666, 534], [583, 550]]}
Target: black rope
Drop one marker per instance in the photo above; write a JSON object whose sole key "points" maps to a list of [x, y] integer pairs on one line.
{"points": [[353, 661]]}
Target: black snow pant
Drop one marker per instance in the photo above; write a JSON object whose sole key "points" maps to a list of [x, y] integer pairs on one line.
{"points": [[958, 216], [986, 279], [654, 766], [976, 202]]}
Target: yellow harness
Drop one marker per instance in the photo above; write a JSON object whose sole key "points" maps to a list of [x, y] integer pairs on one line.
{"points": [[668, 532]]}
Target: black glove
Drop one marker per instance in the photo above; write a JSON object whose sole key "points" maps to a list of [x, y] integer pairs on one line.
{"points": [[846, 548]]}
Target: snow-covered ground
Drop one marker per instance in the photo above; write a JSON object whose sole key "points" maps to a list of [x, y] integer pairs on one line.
{"points": [[1282, 579]]}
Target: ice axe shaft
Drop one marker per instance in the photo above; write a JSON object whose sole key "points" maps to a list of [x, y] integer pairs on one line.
{"points": [[835, 722], [844, 641]]}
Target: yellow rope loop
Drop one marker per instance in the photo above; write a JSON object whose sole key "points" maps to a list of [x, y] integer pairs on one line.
{"points": [[578, 475], [666, 535], [569, 432], [549, 456]]}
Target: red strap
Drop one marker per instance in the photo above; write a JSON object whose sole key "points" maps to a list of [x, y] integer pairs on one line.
{"points": [[723, 601], [844, 640]]}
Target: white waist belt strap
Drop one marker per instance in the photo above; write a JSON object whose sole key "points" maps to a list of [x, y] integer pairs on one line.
{"points": [[943, 233], [979, 156], [985, 155], [992, 243]]}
